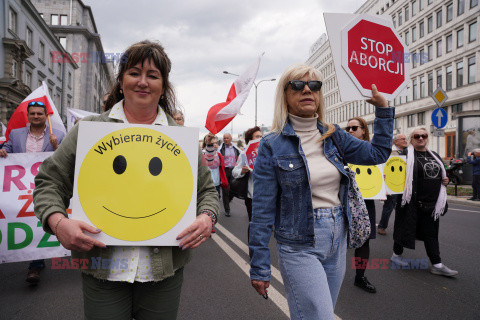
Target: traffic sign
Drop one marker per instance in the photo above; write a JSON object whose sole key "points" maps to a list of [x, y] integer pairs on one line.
{"points": [[439, 118], [439, 96], [438, 132], [373, 53]]}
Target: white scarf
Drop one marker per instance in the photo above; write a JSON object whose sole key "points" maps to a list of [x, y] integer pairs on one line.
{"points": [[407, 192]]}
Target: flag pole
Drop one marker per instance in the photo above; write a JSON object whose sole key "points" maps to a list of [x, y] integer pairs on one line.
{"points": [[49, 124]]}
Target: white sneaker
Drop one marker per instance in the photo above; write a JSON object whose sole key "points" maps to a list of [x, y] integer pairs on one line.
{"points": [[444, 271], [398, 261]]}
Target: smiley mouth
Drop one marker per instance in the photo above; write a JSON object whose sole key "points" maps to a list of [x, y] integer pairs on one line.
{"points": [[133, 217]]}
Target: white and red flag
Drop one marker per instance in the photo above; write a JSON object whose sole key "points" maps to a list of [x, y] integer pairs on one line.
{"points": [[222, 113], [19, 117]]}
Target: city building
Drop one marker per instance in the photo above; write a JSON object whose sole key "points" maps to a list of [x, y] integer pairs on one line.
{"points": [[74, 25], [25, 61], [444, 36]]}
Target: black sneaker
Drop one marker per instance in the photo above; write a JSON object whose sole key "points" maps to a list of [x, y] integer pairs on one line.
{"points": [[227, 213], [362, 282]]}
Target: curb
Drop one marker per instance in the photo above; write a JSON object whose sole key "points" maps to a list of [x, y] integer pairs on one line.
{"points": [[464, 201]]}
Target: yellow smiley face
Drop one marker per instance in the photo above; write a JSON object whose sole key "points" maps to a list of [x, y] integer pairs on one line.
{"points": [[395, 173], [369, 179], [135, 184]]}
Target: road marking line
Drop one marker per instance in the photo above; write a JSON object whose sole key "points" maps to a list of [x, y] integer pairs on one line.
{"points": [[454, 209], [272, 292]]}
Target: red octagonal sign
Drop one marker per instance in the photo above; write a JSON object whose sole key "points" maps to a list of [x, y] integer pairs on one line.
{"points": [[372, 53]]}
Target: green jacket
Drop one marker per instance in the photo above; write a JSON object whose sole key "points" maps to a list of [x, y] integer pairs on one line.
{"points": [[54, 188]]}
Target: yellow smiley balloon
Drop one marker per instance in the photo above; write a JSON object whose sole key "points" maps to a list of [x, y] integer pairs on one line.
{"points": [[135, 184], [369, 179], [395, 173]]}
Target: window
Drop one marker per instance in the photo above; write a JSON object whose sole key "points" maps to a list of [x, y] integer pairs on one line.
{"points": [[430, 24], [471, 69], [411, 120], [14, 68], [41, 53], [63, 20], [28, 78], [414, 58], [422, 56], [430, 52], [450, 12], [472, 32], [455, 109], [422, 29], [422, 87], [12, 20], [421, 118], [414, 89], [430, 84], [69, 79], [394, 21], [439, 48], [54, 20], [459, 74], [473, 3], [460, 7], [460, 38], [439, 77], [449, 77], [439, 18], [59, 70], [407, 13], [421, 4], [430, 1], [29, 37], [41, 15], [50, 62], [414, 34], [400, 18], [63, 42], [414, 8], [449, 43], [407, 39]]}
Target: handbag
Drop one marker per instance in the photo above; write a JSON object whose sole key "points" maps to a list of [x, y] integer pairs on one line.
{"points": [[359, 228], [239, 186]]}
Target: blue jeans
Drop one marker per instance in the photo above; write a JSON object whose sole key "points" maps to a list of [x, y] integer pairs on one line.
{"points": [[388, 206], [313, 275]]}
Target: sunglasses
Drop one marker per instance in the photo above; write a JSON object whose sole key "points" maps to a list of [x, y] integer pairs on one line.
{"points": [[298, 85], [36, 103], [418, 136], [354, 128]]}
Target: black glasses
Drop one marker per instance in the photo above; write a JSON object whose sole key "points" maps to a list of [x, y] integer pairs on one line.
{"points": [[36, 103], [418, 136], [354, 128], [298, 85]]}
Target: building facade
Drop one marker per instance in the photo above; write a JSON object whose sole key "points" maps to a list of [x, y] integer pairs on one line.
{"points": [[24, 53], [74, 25], [444, 40]]}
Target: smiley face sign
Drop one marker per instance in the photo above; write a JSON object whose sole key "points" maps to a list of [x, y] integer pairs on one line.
{"points": [[395, 172], [369, 180], [135, 184]]}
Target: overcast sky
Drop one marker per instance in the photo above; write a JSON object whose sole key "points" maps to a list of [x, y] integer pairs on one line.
{"points": [[205, 37]]}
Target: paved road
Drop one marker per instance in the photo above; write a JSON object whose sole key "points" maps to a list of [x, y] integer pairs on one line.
{"points": [[217, 286]]}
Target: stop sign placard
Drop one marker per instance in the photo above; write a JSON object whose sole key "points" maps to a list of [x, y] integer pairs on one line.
{"points": [[372, 53]]}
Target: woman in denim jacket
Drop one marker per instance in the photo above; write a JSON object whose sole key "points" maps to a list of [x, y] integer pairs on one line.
{"points": [[301, 189]]}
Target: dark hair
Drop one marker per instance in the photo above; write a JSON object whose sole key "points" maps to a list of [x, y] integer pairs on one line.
{"points": [[214, 137], [364, 126], [37, 106], [249, 133], [139, 53]]}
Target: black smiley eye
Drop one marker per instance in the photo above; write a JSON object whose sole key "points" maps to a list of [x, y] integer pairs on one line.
{"points": [[155, 166], [392, 168], [401, 168], [119, 164], [357, 170], [369, 171]]}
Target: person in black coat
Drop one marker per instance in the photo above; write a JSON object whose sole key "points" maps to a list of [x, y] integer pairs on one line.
{"points": [[417, 215]]}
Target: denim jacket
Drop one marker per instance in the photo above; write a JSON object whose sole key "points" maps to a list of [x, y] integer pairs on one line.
{"points": [[281, 178]]}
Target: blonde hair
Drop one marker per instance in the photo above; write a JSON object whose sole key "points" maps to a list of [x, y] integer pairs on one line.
{"points": [[295, 72], [410, 138]]}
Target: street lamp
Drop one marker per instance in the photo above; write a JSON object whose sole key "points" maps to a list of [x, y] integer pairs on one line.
{"points": [[256, 87]]}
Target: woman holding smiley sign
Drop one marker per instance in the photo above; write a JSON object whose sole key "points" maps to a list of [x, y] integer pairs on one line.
{"points": [[150, 285]]}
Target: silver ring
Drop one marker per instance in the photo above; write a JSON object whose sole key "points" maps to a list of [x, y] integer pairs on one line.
{"points": [[200, 237]]}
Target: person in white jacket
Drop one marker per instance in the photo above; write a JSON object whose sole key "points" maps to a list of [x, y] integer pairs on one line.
{"points": [[242, 168]]}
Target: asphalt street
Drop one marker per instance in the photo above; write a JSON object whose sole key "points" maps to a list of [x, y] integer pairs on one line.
{"points": [[217, 285]]}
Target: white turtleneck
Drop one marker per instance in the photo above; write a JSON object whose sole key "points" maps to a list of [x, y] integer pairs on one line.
{"points": [[324, 176]]}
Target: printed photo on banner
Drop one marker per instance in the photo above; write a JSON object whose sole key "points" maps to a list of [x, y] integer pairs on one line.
{"points": [[21, 234], [251, 152], [137, 183], [370, 181], [395, 172]]}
